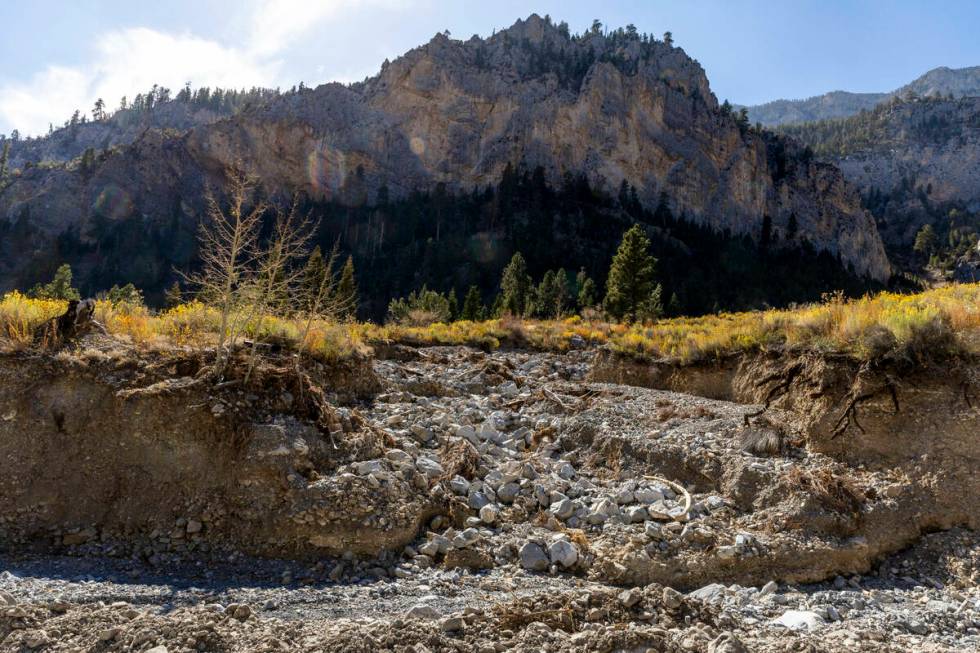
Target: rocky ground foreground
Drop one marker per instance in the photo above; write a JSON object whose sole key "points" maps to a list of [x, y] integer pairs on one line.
{"points": [[557, 514]]}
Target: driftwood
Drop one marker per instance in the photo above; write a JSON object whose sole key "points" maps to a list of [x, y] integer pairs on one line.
{"points": [[75, 322], [676, 487]]}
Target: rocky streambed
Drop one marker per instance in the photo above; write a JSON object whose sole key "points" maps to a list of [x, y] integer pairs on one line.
{"points": [[452, 499]]}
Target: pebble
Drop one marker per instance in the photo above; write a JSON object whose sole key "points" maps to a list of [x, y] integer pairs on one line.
{"points": [[768, 588], [630, 597], [566, 471], [489, 513], [451, 624], [672, 598], [563, 509], [422, 611], [508, 492]]}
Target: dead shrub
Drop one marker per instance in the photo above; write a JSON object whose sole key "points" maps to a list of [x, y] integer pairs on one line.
{"points": [[836, 493], [460, 458], [763, 438]]}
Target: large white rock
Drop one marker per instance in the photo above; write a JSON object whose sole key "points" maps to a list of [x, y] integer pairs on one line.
{"points": [[799, 620], [533, 557], [563, 552]]}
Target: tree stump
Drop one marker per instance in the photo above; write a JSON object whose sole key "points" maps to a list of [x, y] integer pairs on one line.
{"points": [[75, 322]]}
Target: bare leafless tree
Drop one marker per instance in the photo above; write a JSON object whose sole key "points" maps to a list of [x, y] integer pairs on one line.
{"points": [[278, 275], [248, 279], [229, 251]]}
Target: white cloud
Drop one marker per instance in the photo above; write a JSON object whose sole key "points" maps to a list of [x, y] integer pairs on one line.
{"points": [[127, 62], [130, 61], [276, 24]]}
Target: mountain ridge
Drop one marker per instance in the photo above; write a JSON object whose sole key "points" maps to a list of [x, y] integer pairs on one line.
{"points": [[617, 108], [960, 82]]}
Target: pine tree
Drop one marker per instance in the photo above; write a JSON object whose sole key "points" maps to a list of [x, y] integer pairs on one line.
{"points": [[765, 239], [586, 294], [128, 294], [561, 292], [653, 307], [173, 296], [472, 305], [87, 163], [453, 305], [791, 227], [515, 287], [630, 289], [347, 290], [544, 296], [314, 274], [58, 288], [4, 158], [926, 240]]}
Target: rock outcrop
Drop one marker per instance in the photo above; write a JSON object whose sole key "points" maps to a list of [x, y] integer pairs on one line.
{"points": [[920, 157], [614, 108]]}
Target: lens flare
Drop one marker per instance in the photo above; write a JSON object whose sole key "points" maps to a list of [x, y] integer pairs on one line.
{"points": [[325, 171], [114, 203], [483, 247]]}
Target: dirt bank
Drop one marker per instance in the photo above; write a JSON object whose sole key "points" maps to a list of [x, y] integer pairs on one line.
{"points": [[103, 444], [913, 427]]}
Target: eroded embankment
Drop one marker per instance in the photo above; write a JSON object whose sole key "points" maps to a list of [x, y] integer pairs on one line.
{"points": [[107, 445], [915, 427]]}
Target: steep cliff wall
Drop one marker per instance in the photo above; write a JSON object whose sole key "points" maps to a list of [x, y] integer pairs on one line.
{"points": [[614, 108]]}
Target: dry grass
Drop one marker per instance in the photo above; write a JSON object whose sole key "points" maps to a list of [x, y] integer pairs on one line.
{"points": [[839, 494], [192, 324], [19, 316], [933, 323]]}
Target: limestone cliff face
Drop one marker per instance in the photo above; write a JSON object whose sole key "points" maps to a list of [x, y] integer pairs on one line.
{"points": [[613, 108], [936, 144], [923, 155]]}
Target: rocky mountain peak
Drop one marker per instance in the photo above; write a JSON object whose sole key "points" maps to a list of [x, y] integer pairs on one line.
{"points": [[534, 28], [613, 107]]}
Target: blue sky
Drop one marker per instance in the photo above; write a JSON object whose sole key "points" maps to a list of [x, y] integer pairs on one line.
{"points": [[59, 56]]}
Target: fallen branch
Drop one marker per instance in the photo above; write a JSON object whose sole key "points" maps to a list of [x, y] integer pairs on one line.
{"points": [[555, 398], [677, 487], [165, 387]]}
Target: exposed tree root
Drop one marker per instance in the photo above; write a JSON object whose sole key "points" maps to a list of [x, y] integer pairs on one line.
{"points": [[788, 376], [849, 416], [324, 415]]}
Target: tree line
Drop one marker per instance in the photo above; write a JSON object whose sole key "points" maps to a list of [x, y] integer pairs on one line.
{"points": [[449, 242], [632, 292]]}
